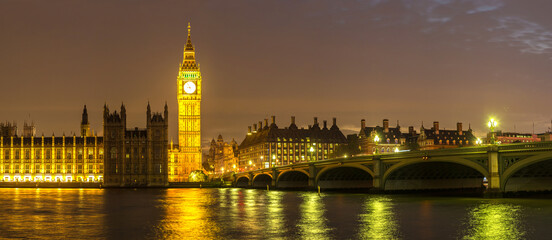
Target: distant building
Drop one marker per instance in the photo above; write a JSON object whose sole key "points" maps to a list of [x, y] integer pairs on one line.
{"points": [[436, 138], [513, 137], [223, 156], [269, 146], [136, 157], [50, 159], [547, 136], [392, 138]]}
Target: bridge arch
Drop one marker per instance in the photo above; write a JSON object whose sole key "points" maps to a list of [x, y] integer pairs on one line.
{"points": [[260, 180], [531, 174], [242, 181], [345, 176], [293, 178], [437, 173]]}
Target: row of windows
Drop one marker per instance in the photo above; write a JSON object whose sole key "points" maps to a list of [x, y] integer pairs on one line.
{"points": [[17, 154]]}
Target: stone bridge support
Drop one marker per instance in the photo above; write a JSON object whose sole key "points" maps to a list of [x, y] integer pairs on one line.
{"points": [[378, 180], [312, 177], [493, 189]]}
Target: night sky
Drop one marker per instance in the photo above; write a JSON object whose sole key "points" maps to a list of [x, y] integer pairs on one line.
{"points": [[412, 61]]}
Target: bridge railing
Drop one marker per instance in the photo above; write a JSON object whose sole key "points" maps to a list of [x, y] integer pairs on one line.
{"points": [[525, 146]]}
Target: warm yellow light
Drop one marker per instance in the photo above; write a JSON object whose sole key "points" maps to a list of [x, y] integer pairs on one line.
{"points": [[273, 156], [345, 156], [234, 166], [396, 149], [492, 123], [376, 138], [311, 149], [222, 169], [250, 161]]}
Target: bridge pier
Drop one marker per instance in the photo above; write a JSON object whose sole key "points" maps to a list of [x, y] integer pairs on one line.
{"points": [[494, 189], [313, 185], [274, 178], [250, 183], [378, 176]]}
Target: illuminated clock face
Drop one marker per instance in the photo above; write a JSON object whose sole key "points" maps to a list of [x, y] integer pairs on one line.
{"points": [[189, 87]]}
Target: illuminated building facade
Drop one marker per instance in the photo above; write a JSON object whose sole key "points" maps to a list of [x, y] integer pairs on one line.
{"points": [[187, 157], [223, 155], [513, 137], [436, 138], [52, 159], [269, 146], [390, 138], [136, 157]]}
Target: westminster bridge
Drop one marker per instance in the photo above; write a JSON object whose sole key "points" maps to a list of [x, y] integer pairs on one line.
{"points": [[507, 168]]}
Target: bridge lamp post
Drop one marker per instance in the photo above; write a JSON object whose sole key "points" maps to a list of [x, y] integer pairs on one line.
{"points": [[376, 140], [311, 150], [273, 159], [492, 124], [478, 141]]}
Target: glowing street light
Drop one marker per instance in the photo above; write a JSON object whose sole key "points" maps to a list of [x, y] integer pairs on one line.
{"points": [[492, 124], [396, 149], [311, 150], [376, 140], [478, 141]]}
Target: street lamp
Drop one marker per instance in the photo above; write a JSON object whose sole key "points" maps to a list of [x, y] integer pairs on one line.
{"points": [[273, 158], [478, 141], [376, 140], [492, 124], [311, 150]]}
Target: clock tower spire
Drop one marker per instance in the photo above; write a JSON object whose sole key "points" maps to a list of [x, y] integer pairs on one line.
{"points": [[189, 116]]}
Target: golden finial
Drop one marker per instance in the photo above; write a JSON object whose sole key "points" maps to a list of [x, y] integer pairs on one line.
{"points": [[189, 28]]}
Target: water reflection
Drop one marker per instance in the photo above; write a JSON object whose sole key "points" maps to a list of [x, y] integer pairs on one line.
{"points": [[378, 221], [275, 217], [187, 216], [494, 220], [313, 223]]}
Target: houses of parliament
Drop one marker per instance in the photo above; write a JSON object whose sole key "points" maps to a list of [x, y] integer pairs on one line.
{"points": [[123, 156]]}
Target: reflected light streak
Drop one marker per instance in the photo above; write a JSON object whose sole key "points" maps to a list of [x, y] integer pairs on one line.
{"points": [[188, 216], [313, 222], [275, 216], [378, 221], [495, 221]]}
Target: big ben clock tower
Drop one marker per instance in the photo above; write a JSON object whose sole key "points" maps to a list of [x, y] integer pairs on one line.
{"points": [[189, 114]]}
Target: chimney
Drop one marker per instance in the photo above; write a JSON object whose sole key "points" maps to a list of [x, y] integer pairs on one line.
{"points": [[255, 128], [248, 130], [260, 125], [266, 122], [386, 125], [334, 122], [292, 120], [273, 119], [315, 121], [325, 124], [459, 128], [436, 127], [411, 130], [362, 124]]}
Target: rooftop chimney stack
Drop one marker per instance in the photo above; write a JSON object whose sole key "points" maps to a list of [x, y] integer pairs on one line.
{"points": [[411, 130], [255, 128], [273, 119], [325, 124], [260, 125], [459, 128], [362, 124], [248, 130], [292, 119], [436, 127], [315, 121], [386, 125], [334, 121]]}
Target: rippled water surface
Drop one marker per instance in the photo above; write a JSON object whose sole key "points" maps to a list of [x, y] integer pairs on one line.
{"points": [[258, 214]]}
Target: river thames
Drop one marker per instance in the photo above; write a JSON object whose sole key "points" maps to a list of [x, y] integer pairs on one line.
{"points": [[228, 213]]}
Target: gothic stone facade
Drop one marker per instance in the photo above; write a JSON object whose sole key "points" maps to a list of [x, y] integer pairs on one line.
{"points": [[136, 157]]}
